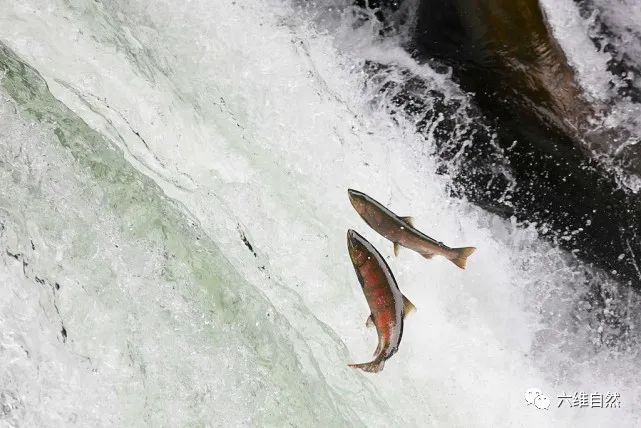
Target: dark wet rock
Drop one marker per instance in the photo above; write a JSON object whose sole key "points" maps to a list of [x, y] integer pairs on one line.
{"points": [[249, 246]]}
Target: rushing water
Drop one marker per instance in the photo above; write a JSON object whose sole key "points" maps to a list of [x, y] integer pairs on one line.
{"points": [[173, 212]]}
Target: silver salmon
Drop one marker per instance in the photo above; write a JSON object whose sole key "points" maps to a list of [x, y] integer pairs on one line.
{"points": [[401, 231]]}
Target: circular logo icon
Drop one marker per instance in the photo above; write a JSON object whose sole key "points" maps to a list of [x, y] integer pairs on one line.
{"points": [[542, 402], [531, 394]]}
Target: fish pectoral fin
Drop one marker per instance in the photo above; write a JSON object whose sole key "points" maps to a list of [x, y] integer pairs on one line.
{"points": [[397, 248], [408, 307], [370, 321], [409, 220]]}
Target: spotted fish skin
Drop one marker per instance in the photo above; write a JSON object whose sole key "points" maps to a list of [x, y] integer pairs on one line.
{"points": [[386, 302]]}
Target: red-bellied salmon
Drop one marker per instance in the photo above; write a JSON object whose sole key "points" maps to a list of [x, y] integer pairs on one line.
{"points": [[387, 304]]}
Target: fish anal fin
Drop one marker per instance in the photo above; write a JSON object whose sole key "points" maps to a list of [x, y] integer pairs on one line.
{"points": [[370, 321], [409, 220], [408, 307], [397, 248]]}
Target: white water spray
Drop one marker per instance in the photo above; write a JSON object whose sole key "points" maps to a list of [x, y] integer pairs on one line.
{"points": [[240, 120]]}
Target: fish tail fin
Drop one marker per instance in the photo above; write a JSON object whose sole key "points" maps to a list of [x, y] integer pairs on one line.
{"points": [[371, 367], [461, 256]]}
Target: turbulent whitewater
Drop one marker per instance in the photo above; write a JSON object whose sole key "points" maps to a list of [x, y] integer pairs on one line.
{"points": [[173, 209]]}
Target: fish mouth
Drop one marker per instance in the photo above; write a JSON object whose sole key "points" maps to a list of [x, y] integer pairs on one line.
{"points": [[357, 247], [356, 197], [355, 193], [354, 237]]}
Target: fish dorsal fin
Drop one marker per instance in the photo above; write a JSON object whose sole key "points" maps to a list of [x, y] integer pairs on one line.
{"points": [[408, 307], [397, 248], [370, 321], [409, 220]]}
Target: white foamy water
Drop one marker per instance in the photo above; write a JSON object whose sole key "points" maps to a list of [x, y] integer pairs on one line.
{"points": [[188, 127], [590, 62]]}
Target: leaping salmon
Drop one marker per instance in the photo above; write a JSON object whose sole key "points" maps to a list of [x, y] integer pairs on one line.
{"points": [[401, 231], [387, 304]]}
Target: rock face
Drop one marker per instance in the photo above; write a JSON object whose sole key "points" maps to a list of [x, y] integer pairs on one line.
{"points": [[506, 54], [503, 52]]}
